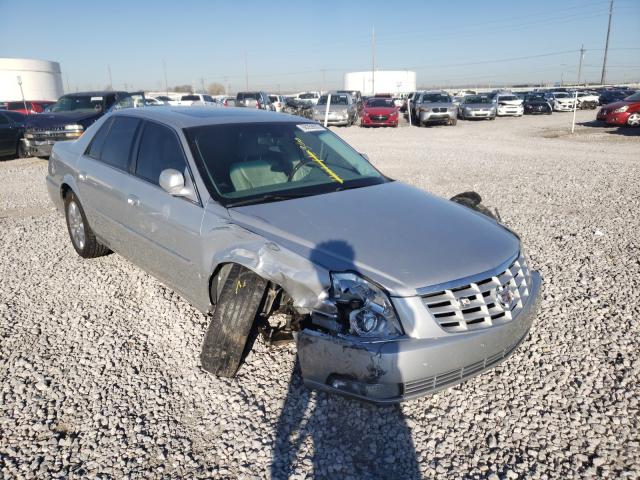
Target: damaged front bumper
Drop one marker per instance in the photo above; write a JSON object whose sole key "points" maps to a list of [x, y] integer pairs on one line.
{"points": [[386, 372], [38, 148]]}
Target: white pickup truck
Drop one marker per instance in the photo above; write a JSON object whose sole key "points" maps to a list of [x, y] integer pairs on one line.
{"points": [[194, 99]]}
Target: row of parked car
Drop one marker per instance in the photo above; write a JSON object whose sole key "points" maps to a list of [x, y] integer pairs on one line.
{"points": [[31, 128]]}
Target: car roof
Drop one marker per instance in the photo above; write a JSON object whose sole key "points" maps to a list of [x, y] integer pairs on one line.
{"points": [[96, 93], [186, 117]]}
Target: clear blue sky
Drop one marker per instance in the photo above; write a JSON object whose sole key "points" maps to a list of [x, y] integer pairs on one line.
{"points": [[288, 44]]}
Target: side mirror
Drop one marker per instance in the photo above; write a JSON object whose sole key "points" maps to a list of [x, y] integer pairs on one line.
{"points": [[365, 156], [172, 182]]}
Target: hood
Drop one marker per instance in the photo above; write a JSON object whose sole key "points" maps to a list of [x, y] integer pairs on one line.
{"points": [[616, 105], [437, 104], [532, 103], [60, 119], [510, 102], [332, 108], [483, 106], [380, 110], [397, 235]]}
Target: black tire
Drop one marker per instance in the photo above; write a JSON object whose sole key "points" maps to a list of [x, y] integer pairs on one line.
{"points": [[232, 322], [89, 247], [21, 151]]}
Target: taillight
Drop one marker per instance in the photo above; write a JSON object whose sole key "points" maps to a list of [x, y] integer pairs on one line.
{"points": [[226, 104]]}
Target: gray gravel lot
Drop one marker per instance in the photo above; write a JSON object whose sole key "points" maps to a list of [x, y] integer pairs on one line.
{"points": [[100, 370]]}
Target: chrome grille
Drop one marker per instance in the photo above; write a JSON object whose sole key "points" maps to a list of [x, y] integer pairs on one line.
{"points": [[482, 304]]}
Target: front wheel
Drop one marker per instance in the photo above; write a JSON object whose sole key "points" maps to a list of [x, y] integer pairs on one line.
{"points": [[634, 119], [21, 150], [82, 237], [233, 322]]}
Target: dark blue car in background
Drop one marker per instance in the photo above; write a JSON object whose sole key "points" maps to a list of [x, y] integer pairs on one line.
{"points": [[70, 116]]}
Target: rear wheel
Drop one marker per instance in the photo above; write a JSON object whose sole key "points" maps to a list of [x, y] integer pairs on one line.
{"points": [[634, 119], [233, 321], [82, 237]]}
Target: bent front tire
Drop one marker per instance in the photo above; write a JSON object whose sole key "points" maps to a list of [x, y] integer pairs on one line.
{"points": [[232, 322], [82, 237]]}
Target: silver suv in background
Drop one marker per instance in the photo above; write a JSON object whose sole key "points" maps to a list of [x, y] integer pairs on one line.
{"points": [[343, 111], [434, 107], [254, 100]]}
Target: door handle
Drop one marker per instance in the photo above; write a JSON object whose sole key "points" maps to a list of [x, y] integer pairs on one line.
{"points": [[133, 201], [82, 176]]}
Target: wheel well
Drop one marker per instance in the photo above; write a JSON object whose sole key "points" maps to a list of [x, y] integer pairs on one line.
{"points": [[64, 189]]}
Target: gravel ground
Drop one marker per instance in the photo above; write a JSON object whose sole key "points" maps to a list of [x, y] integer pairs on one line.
{"points": [[99, 361]]}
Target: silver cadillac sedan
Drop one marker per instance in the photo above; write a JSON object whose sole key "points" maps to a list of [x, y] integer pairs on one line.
{"points": [[390, 292]]}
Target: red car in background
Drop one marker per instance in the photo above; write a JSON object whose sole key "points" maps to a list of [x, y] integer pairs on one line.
{"points": [[625, 112], [33, 106], [379, 112]]}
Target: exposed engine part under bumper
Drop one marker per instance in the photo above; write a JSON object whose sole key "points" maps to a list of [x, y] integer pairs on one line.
{"points": [[37, 148], [392, 371]]}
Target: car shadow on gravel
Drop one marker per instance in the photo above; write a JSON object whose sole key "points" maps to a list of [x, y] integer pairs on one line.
{"points": [[349, 439], [612, 130]]}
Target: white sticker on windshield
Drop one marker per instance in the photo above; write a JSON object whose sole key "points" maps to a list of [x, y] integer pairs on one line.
{"points": [[96, 99], [310, 127]]}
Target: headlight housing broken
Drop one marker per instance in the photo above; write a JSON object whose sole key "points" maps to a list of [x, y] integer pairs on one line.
{"points": [[363, 306]]}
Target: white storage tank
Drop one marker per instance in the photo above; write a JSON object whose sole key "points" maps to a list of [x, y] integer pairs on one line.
{"points": [[41, 79], [386, 81]]}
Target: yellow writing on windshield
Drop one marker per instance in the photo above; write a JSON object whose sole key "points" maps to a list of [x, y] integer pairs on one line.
{"points": [[315, 158]]}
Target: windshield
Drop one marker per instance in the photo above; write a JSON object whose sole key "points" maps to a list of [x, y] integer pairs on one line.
{"points": [[380, 102], [307, 96], [477, 99], [561, 95], [507, 98], [249, 161], [435, 98], [536, 98], [335, 100], [78, 103]]}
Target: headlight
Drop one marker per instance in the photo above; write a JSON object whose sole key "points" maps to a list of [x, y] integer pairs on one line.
{"points": [[74, 126], [363, 306], [28, 135], [621, 109]]}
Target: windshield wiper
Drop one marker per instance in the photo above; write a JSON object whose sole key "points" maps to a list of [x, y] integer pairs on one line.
{"points": [[267, 197]]}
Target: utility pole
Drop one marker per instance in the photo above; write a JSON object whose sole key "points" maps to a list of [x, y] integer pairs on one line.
{"points": [[202, 83], [575, 99], [110, 79], [246, 72], [166, 85], [373, 61], [606, 46], [66, 76]]}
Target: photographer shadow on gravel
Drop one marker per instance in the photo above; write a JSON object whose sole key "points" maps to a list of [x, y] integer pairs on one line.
{"points": [[340, 437]]}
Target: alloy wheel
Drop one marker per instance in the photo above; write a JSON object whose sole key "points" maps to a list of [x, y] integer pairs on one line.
{"points": [[76, 225], [634, 119]]}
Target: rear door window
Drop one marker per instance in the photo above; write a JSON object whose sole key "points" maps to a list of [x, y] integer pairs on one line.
{"points": [[159, 149], [98, 140], [117, 146]]}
